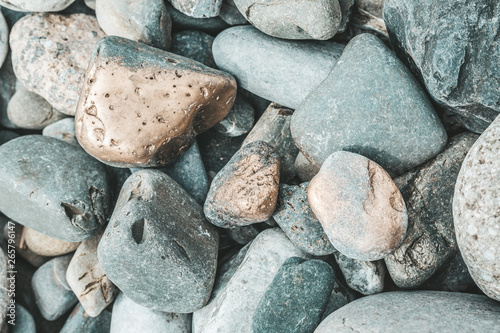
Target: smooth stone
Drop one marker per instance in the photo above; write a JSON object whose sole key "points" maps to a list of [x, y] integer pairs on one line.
{"points": [[53, 295], [24, 252], [453, 276], [198, 9], [6, 136], [244, 235], [24, 321], [130, 317], [296, 298], [158, 232], [36, 5], [366, 277], [181, 22], [64, 193], [64, 130], [79, 321], [355, 110], [460, 38], [170, 99], [239, 120], [245, 191], [194, 44], [230, 14], [475, 211], [304, 169], [50, 54], [403, 311], [430, 237], [145, 21], [279, 70], [44, 245], [8, 84], [91, 3], [4, 39], [359, 206], [295, 217], [340, 296], [7, 286], [242, 282]]}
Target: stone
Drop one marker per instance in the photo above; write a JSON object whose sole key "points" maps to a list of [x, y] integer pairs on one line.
{"points": [[164, 99], [145, 21], [279, 70], [85, 276], [340, 296], [64, 130], [63, 192], [359, 206], [158, 232], [239, 120], [23, 250], [79, 7], [432, 310], [79, 321], [194, 44], [230, 14], [460, 38], [452, 276], [6, 136], [430, 237], [367, 17], [296, 298], [8, 84], [36, 5], [245, 191], [304, 169], [242, 282], [295, 217], [6, 288], [180, 22], [50, 53], [4, 39], [198, 9], [44, 245], [346, 9], [366, 277], [24, 321], [476, 208], [91, 3], [130, 317], [53, 295], [243, 235]]}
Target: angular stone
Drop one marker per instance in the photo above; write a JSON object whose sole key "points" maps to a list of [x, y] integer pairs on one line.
{"points": [[145, 21], [230, 13], [181, 22], [6, 136], [64, 130], [79, 321], [428, 193], [370, 104], [23, 250], [305, 170], [169, 99], [194, 44], [24, 321], [4, 39], [63, 192], [296, 298], [239, 120], [50, 54], [44, 245], [359, 206], [366, 277], [460, 39], [279, 70], [245, 191], [476, 211], [453, 276], [198, 9], [36, 5], [158, 232]]}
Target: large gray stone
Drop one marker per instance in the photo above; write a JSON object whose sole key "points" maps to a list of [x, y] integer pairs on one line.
{"points": [[79, 321], [199, 8], [366, 277], [36, 5]]}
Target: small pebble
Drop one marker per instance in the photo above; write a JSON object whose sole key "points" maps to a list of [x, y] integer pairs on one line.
{"points": [[24, 321], [194, 44], [230, 13], [366, 277], [44, 245], [305, 170], [64, 130], [198, 9], [239, 120]]}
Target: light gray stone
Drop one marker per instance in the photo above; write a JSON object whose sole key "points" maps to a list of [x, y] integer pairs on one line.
{"points": [[366, 277], [305, 170], [90, 4], [64, 130], [79, 321], [199, 8], [36, 5], [4, 39]]}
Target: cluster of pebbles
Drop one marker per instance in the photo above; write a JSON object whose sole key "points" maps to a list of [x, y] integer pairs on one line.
{"points": [[250, 166]]}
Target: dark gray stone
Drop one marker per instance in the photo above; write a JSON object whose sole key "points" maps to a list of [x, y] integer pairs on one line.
{"points": [[346, 9], [24, 321], [243, 235], [199, 8], [194, 44], [366, 277], [230, 13], [7, 136], [367, 17], [81, 322], [239, 120], [370, 104], [62, 191], [304, 169], [452, 48], [340, 296], [453, 276], [7, 90], [181, 22], [64, 130]]}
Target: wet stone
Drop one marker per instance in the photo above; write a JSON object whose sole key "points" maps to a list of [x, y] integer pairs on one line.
{"points": [[239, 120], [44, 245], [36, 5], [366, 277], [198, 9], [79, 321], [64, 130]]}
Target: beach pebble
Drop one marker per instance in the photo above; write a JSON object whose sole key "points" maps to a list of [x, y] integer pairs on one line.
{"points": [[304, 169], [36, 5], [452, 276], [24, 321], [64, 130], [194, 44], [366, 277], [230, 13], [90, 3], [239, 120], [180, 22], [198, 9], [23, 250], [79, 321], [4, 39], [44, 245]]}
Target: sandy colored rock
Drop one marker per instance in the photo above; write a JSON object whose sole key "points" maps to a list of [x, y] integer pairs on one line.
{"points": [[47, 246], [359, 206], [162, 99], [50, 54]]}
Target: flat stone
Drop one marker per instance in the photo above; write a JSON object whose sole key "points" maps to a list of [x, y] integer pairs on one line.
{"points": [[296, 298], [80, 321], [366, 277], [433, 310], [198, 9], [170, 99], [430, 237], [239, 120], [460, 38], [44, 245], [36, 5], [295, 217], [50, 53], [158, 232], [230, 13], [194, 44], [64, 193], [245, 191], [452, 276], [180, 22], [24, 321], [4, 39], [24, 252], [145, 21], [304, 169], [335, 115], [476, 208], [279, 70], [64, 130], [6, 136], [359, 206]]}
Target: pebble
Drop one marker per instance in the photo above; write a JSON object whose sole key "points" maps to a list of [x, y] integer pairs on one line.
{"points": [[36, 5], [44, 245], [8, 83], [340, 296], [359, 206], [366, 277], [26, 253], [145, 21], [24, 321], [4, 39], [230, 14], [475, 211], [6, 136], [180, 22], [91, 3], [453, 276], [367, 17], [295, 217], [64, 130], [170, 99], [198, 9], [63, 192], [245, 191], [243, 235], [355, 110], [430, 237], [50, 53], [304, 169], [79, 321], [239, 120], [279, 70], [194, 44], [158, 232], [5, 286]]}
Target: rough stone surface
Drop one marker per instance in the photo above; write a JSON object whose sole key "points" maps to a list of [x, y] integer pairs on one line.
{"points": [[282, 71], [304, 169], [476, 209], [24, 321], [47, 246], [36, 5], [158, 232], [370, 104], [181, 22], [50, 53], [453, 276], [79, 321], [63, 192], [230, 13], [366, 277], [4, 39], [163, 100], [194, 44], [429, 310], [198, 9], [64, 130], [428, 193], [359, 206], [245, 191], [239, 120], [456, 66]]}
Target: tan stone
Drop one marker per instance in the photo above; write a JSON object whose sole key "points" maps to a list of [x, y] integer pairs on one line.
{"points": [[21, 248], [48, 246]]}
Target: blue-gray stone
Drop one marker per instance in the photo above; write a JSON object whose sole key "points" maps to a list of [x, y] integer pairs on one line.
{"points": [[340, 296], [7, 90], [24, 321], [194, 44], [81, 322], [63, 129], [198, 8], [244, 235], [366, 277], [239, 120], [453, 276], [230, 13], [181, 22]]}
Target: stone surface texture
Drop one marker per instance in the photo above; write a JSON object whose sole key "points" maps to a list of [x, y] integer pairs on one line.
{"points": [[47, 246], [366, 277], [199, 8]]}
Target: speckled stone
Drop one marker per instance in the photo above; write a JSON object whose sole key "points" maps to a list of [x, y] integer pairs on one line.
{"points": [[452, 276], [50, 53], [44, 245], [79, 321], [239, 120], [64, 130], [335, 116], [194, 44], [180, 22], [4, 39], [304, 169], [198, 9], [366, 277], [476, 211], [24, 321], [36, 5], [6, 136], [230, 13]]}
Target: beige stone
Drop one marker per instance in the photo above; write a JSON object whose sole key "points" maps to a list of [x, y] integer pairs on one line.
{"points": [[21, 248], [44, 245]]}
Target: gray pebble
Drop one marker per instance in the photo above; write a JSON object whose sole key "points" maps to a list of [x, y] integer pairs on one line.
{"points": [[453, 276], [194, 44], [79, 321], [230, 13], [7, 286], [304, 169], [64, 130], [243, 235], [366, 277], [8, 84], [4, 39], [239, 120], [181, 22], [90, 4], [198, 9], [36, 5], [24, 321], [340, 296]]}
